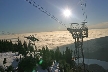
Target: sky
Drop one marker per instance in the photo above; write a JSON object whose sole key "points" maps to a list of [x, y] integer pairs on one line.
{"points": [[19, 16]]}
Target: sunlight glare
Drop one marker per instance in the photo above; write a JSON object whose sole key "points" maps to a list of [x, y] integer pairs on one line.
{"points": [[67, 12]]}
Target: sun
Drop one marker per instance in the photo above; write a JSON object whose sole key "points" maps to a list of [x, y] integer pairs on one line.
{"points": [[67, 12]]}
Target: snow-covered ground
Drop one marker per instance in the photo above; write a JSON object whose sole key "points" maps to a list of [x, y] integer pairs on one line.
{"points": [[10, 59]]}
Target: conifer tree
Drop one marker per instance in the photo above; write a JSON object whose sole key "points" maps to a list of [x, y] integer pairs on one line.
{"points": [[10, 69], [25, 46], [58, 54], [20, 48], [68, 55], [10, 45], [52, 54], [0, 46], [15, 47], [5, 50], [2, 69], [46, 57], [27, 64], [3, 46]]}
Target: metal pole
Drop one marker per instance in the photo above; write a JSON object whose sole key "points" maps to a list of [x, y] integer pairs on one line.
{"points": [[83, 57]]}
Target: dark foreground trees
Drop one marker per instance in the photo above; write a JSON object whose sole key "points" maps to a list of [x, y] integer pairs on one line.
{"points": [[45, 58], [21, 48], [27, 64]]}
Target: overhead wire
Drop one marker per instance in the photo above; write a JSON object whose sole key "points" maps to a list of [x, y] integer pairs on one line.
{"points": [[83, 8], [32, 2]]}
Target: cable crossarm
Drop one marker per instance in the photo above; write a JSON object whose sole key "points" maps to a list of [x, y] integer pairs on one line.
{"points": [[45, 11]]}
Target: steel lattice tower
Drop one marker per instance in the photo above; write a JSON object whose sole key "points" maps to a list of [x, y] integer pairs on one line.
{"points": [[78, 33]]}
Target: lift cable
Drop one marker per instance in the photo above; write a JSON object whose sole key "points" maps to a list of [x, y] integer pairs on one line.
{"points": [[45, 11]]}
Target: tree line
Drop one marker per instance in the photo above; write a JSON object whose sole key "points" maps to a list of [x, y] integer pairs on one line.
{"points": [[48, 56], [45, 58], [21, 48]]}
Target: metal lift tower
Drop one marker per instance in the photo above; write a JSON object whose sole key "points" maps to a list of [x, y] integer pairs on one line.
{"points": [[32, 40], [78, 33]]}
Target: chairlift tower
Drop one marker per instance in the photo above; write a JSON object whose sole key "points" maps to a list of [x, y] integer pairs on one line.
{"points": [[32, 40], [78, 33]]}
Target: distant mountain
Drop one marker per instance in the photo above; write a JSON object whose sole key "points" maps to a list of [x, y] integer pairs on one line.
{"points": [[96, 68], [99, 26], [100, 50]]}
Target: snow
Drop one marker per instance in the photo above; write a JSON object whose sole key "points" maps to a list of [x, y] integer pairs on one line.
{"points": [[10, 59]]}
